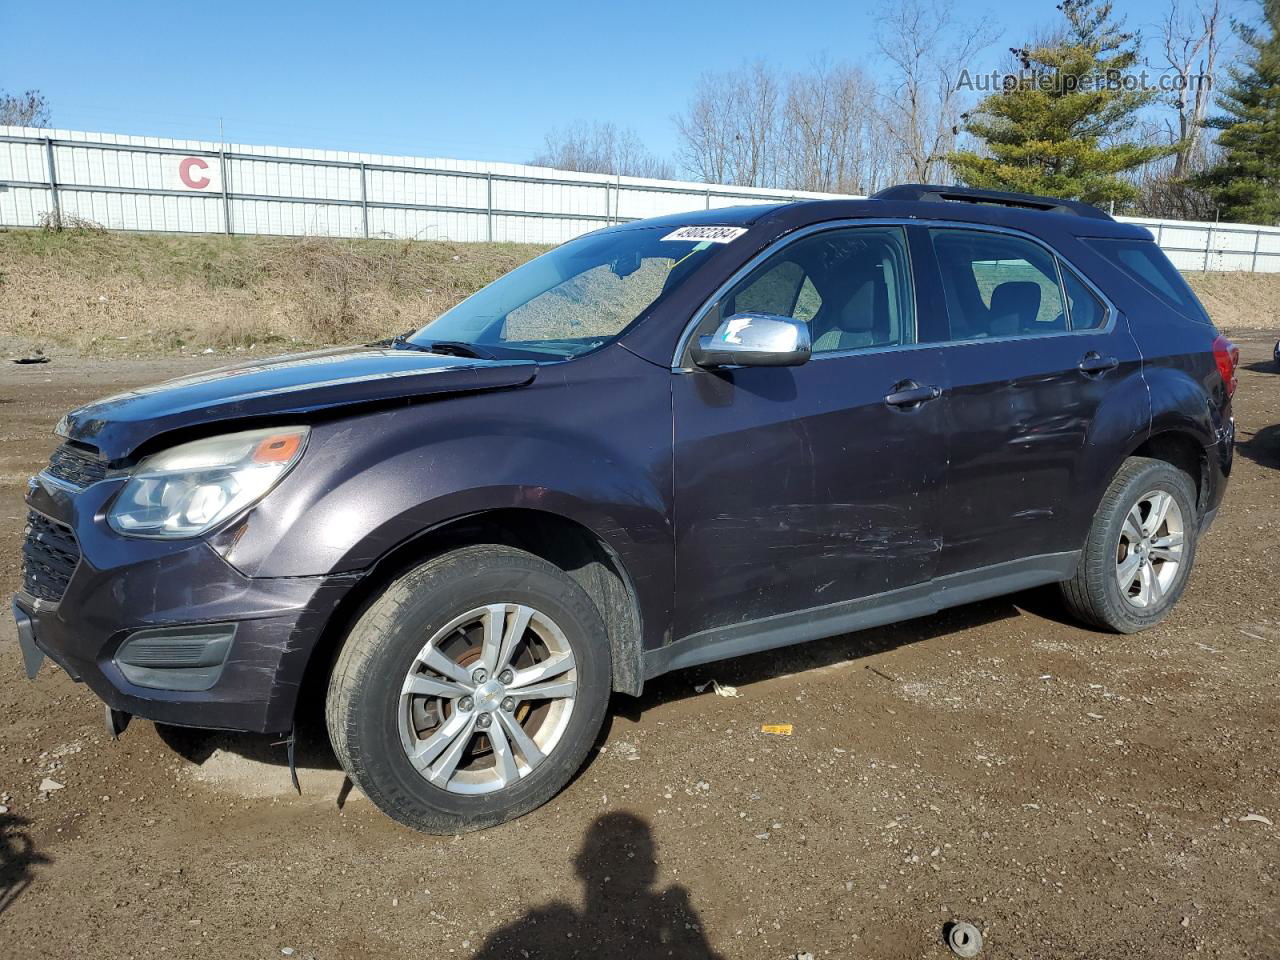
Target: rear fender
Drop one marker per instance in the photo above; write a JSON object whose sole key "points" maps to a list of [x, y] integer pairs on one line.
{"points": [[1121, 423], [1180, 403]]}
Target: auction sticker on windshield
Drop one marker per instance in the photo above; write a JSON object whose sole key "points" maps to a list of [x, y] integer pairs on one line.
{"points": [[707, 234]]}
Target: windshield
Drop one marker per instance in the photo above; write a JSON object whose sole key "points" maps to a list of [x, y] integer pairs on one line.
{"points": [[575, 298]]}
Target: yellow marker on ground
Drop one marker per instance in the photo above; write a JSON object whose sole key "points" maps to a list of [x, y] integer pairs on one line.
{"points": [[780, 729]]}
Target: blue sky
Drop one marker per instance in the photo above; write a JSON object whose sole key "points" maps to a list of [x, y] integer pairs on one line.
{"points": [[482, 80]]}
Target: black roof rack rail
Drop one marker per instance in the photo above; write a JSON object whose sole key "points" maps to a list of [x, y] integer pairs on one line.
{"points": [[935, 193]]}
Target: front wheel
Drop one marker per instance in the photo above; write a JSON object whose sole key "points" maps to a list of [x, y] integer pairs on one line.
{"points": [[1140, 549], [470, 691]]}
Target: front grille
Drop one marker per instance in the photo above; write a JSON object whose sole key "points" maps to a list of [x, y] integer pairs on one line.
{"points": [[49, 557], [75, 466]]}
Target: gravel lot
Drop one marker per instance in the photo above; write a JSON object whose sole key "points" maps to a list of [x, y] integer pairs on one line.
{"points": [[1073, 794]]}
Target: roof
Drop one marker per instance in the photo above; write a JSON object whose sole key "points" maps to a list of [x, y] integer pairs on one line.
{"points": [[1037, 222], [999, 198], [742, 216], [915, 202]]}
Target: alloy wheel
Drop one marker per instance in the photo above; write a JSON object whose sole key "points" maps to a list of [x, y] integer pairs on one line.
{"points": [[487, 698], [1150, 550]]}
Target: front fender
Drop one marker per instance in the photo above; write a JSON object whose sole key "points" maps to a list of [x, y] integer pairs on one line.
{"points": [[587, 441]]}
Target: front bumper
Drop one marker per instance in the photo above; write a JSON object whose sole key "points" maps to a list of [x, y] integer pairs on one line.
{"points": [[122, 586], [32, 655]]}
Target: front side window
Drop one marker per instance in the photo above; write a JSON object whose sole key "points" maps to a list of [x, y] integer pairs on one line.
{"points": [[573, 299], [852, 286], [998, 285], [774, 289]]}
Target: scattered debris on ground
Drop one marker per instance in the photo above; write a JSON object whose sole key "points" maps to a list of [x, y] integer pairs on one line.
{"points": [[721, 690]]}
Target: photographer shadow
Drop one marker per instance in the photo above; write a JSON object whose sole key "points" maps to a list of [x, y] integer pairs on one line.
{"points": [[623, 914], [18, 857]]}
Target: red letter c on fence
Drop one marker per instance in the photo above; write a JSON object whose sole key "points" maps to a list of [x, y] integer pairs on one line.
{"points": [[184, 172]]}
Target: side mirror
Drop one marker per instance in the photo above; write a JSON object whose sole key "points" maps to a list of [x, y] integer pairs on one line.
{"points": [[754, 340]]}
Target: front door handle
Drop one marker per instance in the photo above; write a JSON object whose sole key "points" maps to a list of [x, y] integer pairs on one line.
{"points": [[1094, 363], [908, 395]]}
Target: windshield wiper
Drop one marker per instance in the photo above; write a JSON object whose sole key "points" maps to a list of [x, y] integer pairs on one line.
{"points": [[450, 348], [457, 348], [399, 340]]}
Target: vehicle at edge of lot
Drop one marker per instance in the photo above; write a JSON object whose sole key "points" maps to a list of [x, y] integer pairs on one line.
{"points": [[660, 444]]}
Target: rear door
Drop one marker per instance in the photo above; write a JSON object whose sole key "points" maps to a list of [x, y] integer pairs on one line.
{"points": [[801, 487], [1033, 351]]}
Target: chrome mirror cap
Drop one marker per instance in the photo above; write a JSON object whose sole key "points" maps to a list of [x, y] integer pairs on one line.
{"points": [[754, 340]]}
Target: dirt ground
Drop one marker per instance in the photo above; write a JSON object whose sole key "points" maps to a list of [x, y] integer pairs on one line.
{"points": [[1073, 794]]}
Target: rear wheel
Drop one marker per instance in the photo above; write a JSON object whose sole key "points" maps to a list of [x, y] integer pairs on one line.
{"points": [[470, 692], [1140, 549]]}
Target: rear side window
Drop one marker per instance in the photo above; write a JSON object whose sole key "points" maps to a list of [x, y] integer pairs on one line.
{"points": [[1146, 263], [1087, 312], [998, 285]]}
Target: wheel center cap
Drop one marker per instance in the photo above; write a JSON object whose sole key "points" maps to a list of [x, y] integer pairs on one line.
{"points": [[489, 695]]}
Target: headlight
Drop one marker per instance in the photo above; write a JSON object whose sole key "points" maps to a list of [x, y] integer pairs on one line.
{"points": [[187, 489]]}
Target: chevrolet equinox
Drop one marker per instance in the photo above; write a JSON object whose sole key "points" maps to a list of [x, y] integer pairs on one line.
{"points": [[660, 444]]}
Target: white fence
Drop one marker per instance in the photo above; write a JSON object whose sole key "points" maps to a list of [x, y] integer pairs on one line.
{"points": [[1200, 246], [150, 183], [190, 186]]}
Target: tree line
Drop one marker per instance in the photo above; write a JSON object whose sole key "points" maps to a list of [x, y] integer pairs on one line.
{"points": [[1084, 110]]}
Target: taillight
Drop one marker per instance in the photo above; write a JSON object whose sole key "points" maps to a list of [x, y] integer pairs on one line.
{"points": [[1227, 356]]}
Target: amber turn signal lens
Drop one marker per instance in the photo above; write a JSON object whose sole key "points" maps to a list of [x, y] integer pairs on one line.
{"points": [[279, 448]]}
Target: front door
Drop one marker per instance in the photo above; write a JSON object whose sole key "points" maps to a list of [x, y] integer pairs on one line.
{"points": [[801, 487]]}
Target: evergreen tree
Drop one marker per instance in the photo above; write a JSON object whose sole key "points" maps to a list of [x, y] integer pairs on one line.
{"points": [[1245, 183], [1061, 128]]}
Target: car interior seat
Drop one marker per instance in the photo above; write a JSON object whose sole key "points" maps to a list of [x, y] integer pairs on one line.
{"points": [[860, 319], [1015, 305]]}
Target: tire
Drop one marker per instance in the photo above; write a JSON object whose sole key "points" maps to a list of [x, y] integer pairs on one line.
{"points": [[1115, 547], [443, 610]]}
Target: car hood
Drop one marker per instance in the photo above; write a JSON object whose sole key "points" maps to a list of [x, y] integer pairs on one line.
{"points": [[283, 386]]}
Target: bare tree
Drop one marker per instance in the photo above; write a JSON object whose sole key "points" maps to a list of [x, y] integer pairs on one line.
{"points": [[928, 48], [601, 148], [816, 130], [729, 133], [827, 131], [1191, 42], [706, 130], [1160, 194], [27, 109]]}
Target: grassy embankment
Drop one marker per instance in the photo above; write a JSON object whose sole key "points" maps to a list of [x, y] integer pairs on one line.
{"points": [[100, 292], [122, 293]]}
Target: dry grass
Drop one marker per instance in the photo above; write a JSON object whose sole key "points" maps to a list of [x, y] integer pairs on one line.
{"points": [[1239, 301], [103, 292], [118, 292]]}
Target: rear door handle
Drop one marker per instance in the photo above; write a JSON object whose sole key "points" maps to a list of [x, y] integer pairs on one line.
{"points": [[908, 394], [1094, 363]]}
